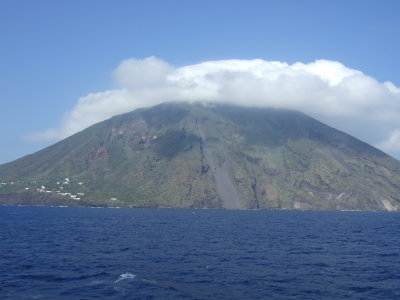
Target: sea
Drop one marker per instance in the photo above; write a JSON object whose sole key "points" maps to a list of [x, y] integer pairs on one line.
{"points": [[139, 253]]}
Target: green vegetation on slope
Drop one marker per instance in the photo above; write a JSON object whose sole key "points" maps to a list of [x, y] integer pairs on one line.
{"points": [[160, 157]]}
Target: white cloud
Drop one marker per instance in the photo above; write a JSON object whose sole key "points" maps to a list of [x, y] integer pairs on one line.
{"points": [[392, 143], [343, 97], [139, 74]]}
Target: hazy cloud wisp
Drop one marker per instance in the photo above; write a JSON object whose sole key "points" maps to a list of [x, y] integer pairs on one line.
{"points": [[327, 90]]}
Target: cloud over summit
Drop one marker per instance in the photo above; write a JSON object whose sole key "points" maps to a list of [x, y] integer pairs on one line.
{"points": [[333, 93]]}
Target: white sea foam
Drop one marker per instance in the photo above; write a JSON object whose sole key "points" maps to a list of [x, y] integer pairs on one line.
{"points": [[149, 281], [125, 276]]}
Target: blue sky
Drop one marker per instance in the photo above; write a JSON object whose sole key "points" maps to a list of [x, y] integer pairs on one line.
{"points": [[55, 52]]}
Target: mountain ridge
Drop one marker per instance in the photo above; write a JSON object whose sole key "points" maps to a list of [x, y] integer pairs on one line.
{"points": [[209, 156]]}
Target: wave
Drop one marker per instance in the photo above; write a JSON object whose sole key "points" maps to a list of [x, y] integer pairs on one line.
{"points": [[125, 276]]}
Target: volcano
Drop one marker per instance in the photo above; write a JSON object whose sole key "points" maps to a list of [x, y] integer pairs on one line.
{"points": [[185, 155]]}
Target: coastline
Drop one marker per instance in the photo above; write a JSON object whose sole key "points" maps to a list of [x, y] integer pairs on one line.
{"points": [[45, 200]]}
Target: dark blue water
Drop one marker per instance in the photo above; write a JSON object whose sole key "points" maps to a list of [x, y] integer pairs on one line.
{"points": [[92, 253]]}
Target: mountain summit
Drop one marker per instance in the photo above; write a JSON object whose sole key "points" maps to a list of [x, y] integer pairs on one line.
{"points": [[207, 156]]}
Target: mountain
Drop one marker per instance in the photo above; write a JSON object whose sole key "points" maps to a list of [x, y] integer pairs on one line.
{"points": [[207, 156]]}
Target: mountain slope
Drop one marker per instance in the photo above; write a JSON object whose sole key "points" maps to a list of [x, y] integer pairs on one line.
{"points": [[207, 156]]}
